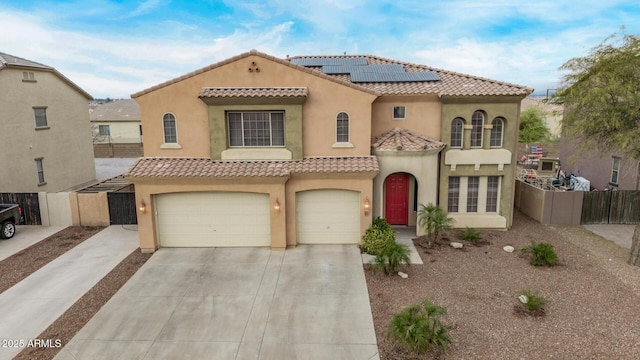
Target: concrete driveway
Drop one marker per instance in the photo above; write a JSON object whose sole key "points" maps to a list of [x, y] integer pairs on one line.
{"points": [[26, 235], [310, 302]]}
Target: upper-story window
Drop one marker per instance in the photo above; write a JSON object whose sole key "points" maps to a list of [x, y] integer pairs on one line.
{"points": [[256, 128], [496, 132], [41, 116], [615, 170], [399, 112], [342, 128], [457, 130], [169, 126], [28, 76], [40, 171], [477, 123]]}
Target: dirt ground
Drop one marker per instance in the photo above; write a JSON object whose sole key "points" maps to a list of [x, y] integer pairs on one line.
{"points": [[593, 297]]}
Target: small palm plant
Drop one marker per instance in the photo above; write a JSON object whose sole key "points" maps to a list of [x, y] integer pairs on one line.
{"points": [[391, 258], [419, 328], [433, 221]]}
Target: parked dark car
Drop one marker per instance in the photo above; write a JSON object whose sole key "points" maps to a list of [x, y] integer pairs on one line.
{"points": [[10, 215]]}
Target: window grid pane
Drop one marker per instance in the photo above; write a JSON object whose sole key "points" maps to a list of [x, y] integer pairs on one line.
{"points": [[342, 128], [453, 196], [103, 130], [456, 132], [472, 193], [496, 133], [477, 122], [492, 193], [40, 170], [169, 125], [615, 169], [256, 129], [277, 129], [41, 117]]}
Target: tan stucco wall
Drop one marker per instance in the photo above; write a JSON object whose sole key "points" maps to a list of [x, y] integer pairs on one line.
{"points": [[509, 109], [422, 115], [325, 100], [55, 209], [301, 182], [89, 209], [121, 132], [65, 146]]}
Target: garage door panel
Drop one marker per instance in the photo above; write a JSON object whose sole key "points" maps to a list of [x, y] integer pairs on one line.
{"points": [[328, 217], [213, 219]]}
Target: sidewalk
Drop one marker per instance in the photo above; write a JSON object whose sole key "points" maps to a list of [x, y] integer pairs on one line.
{"points": [[32, 305]]}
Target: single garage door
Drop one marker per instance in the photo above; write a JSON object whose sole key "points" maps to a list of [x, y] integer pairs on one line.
{"points": [[203, 219], [328, 217]]}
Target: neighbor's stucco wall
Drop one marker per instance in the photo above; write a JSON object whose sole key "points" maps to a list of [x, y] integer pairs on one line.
{"points": [[422, 115], [325, 100], [65, 145], [121, 132]]}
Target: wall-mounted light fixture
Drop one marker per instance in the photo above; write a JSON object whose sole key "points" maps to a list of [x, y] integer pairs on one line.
{"points": [[276, 206], [366, 205], [143, 207]]}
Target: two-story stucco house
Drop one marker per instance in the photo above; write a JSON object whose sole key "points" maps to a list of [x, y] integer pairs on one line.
{"points": [[261, 151], [45, 137]]}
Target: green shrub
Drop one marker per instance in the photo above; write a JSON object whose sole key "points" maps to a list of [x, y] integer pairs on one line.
{"points": [[530, 304], [419, 328], [377, 237], [391, 257], [541, 254], [470, 234], [433, 221]]}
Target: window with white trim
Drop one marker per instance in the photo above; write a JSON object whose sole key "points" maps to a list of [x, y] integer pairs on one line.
{"points": [[41, 116], [477, 123], [473, 187], [457, 131], [40, 171], [453, 195], [256, 128], [493, 184], [342, 128], [169, 127], [615, 170], [399, 112], [496, 132], [28, 76]]}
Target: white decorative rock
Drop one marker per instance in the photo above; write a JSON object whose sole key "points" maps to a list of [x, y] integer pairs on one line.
{"points": [[403, 275], [456, 245], [508, 248], [523, 299]]}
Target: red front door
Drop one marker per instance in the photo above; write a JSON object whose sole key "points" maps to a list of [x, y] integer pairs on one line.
{"points": [[397, 199]]}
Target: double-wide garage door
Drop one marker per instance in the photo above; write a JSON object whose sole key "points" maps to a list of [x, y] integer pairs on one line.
{"points": [[328, 217], [204, 219]]}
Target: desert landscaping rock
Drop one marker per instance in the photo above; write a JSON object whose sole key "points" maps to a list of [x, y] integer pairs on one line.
{"points": [[456, 245], [403, 275], [508, 248]]}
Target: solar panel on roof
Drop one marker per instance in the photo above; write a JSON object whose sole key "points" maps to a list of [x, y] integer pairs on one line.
{"points": [[342, 69], [322, 61], [361, 77]]}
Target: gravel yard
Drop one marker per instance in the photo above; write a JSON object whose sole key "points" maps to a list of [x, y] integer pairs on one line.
{"points": [[593, 297]]}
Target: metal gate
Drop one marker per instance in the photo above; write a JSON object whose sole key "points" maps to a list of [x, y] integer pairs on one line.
{"points": [[611, 207], [122, 208], [28, 202]]}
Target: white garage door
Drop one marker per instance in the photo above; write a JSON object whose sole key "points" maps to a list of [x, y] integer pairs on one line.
{"points": [[203, 219], [328, 217]]}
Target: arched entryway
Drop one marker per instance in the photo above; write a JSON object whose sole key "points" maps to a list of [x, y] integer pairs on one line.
{"points": [[399, 198]]}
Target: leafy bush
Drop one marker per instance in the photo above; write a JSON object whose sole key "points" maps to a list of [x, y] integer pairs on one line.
{"points": [[470, 234], [531, 304], [541, 254], [377, 237], [391, 257], [419, 328], [433, 221]]}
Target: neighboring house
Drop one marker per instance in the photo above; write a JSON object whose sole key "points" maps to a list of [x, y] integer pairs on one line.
{"points": [[117, 131], [261, 151], [552, 113], [45, 138], [603, 170]]}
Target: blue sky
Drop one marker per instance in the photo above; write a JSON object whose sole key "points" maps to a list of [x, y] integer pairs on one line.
{"points": [[115, 48]]}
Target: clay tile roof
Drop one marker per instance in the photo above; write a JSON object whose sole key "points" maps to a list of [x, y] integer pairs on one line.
{"points": [[196, 167], [209, 92], [402, 139]]}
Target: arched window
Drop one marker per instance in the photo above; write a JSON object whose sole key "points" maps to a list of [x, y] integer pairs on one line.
{"points": [[342, 128], [477, 121], [457, 129], [169, 126], [496, 132]]}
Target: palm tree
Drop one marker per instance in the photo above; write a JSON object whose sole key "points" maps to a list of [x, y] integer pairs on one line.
{"points": [[433, 221]]}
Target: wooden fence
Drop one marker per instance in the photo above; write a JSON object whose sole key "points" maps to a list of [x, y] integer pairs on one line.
{"points": [[611, 207], [29, 204]]}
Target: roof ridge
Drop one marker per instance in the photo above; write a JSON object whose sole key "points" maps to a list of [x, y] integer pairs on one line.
{"points": [[4, 60]]}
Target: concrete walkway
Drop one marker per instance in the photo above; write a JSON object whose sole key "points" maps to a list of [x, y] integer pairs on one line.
{"points": [[30, 306], [310, 302], [26, 235], [620, 234], [404, 235]]}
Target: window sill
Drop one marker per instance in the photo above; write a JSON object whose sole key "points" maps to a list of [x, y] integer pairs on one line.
{"points": [[399, 118], [343, 145], [42, 184], [42, 128], [170, 146], [29, 81]]}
